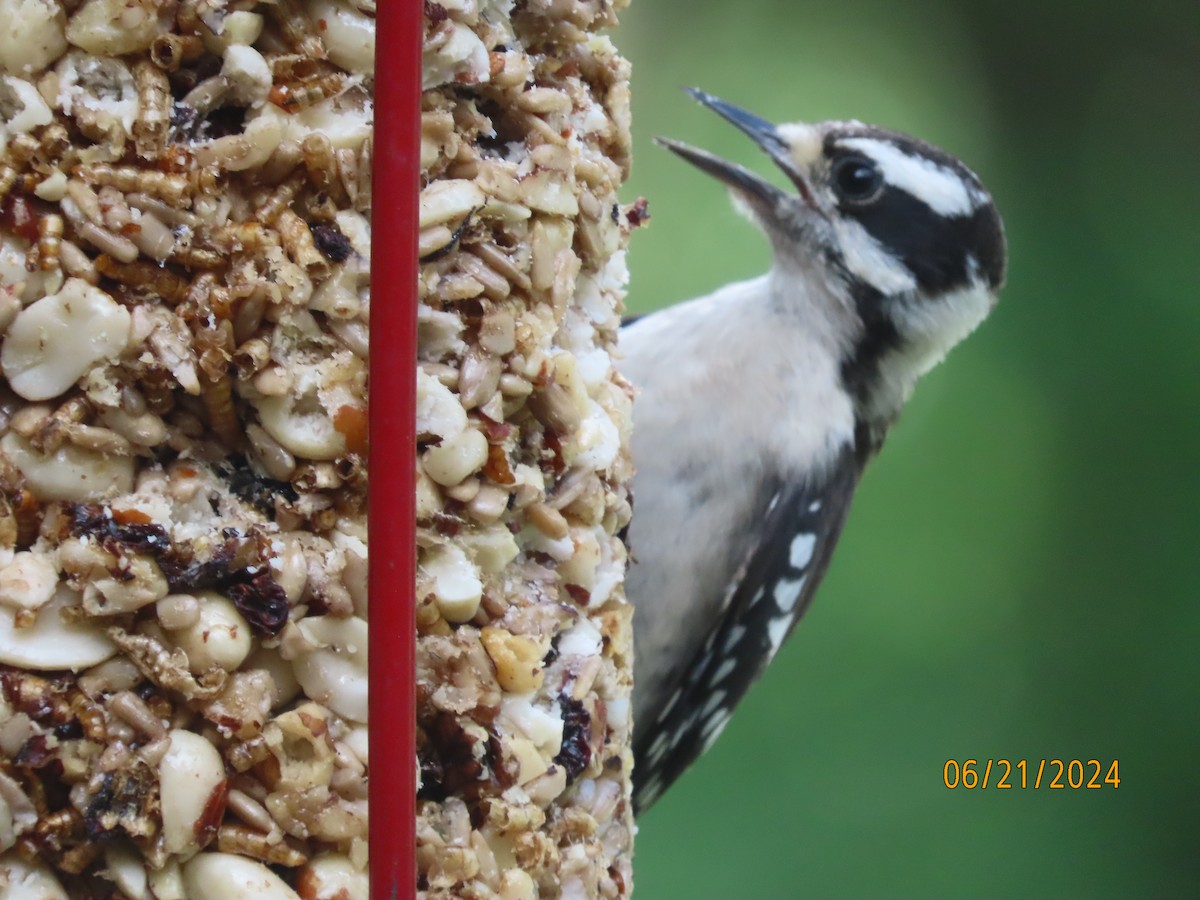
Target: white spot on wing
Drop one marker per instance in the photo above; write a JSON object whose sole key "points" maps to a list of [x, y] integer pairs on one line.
{"points": [[712, 730], [714, 701], [650, 792], [777, 630], [684, 729], [735, 635], [787, 592], [725, 668], [942, 189], [666, 710], [801, 550], [716, 722], [814, 506], [657, 749]]}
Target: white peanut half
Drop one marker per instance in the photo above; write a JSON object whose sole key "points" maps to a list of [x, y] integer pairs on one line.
{"points": [[457, 588], [32, 36], [167, 882], [53, 641], [113, 27], [27, 582], [448, 200], [70, 472], [346, 122], [97, 84], [348, 35], [335, 674], [21, 108], [21, 881], [126, 869], [241, 27], [332, 876], [58, 338], [140, 584], [438, 410], [462, 57], [302, 425], [227, 876], [219, 637], [455, 458], [248, 73], [189, 772]]}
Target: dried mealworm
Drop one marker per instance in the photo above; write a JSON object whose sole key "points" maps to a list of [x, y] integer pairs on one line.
{"points": [[297, 28], [50, 230], [295, 96], [144, 276], [154, 109]]}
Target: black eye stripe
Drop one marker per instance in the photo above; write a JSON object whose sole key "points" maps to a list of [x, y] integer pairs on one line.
{"points": [[934, 247]]}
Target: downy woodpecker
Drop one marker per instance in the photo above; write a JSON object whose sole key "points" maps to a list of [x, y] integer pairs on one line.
{"points": [[759, 405]]}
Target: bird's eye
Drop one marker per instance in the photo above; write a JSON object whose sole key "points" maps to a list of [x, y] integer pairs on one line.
{"points": [[856, 180]]}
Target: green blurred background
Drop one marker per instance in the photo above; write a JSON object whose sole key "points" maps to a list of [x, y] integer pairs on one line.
{"points": [[1020, 575]]}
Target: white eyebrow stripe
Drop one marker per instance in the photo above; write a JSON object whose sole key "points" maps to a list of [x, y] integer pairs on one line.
{"points": [[943, 190]]}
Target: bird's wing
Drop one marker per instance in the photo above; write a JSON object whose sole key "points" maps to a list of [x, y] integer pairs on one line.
{"points": [[767, 596]]}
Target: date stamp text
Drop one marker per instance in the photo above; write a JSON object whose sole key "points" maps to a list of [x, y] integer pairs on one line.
{"points": [[1031, 774]]}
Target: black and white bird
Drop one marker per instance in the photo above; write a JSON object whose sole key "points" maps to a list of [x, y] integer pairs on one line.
{"points": [[759, 404]]}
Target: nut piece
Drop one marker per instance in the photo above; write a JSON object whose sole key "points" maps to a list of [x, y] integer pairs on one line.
{"points": [[27, 582], [348, 35], [518, 659], [226, 876], [22, 881], [190, 773], [331, 876], [69, 473], [113, 27], [53, 641], [302, 425], [445, 201], [219, 637], [32, 36], [457, 589], [21, 108], [335, 674], [57, 339], [456, 457], [438, 411]]}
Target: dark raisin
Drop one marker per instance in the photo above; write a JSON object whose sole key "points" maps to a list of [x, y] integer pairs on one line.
{"points": [[576, 752], [331, 242], [263, 602]]}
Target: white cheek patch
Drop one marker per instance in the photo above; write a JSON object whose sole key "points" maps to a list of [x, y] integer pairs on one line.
{"points": [[939, 323], [941, 189], [867, 260], [929, 328]]}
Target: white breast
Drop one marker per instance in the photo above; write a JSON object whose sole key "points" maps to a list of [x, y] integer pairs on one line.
{"points": [[734, 388]]}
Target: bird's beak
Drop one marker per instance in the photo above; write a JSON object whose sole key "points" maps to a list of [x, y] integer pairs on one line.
{"points": [[757, 191]]}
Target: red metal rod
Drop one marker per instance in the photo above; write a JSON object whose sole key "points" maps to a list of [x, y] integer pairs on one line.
{"points": [[393, 441]]}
